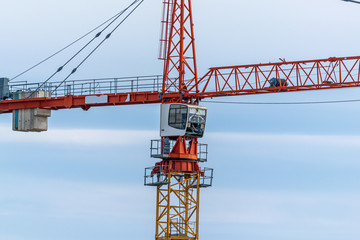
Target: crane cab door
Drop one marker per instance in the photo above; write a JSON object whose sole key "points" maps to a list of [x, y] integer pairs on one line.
{"points": [[182, 120]]}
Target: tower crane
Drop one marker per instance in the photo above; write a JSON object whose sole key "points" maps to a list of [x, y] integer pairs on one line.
{"points": [[178, 176]]}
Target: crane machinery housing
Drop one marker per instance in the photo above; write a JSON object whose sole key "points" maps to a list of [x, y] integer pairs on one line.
{"points": [[177, 176]]}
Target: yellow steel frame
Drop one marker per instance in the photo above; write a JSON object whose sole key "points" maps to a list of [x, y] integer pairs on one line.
{"points": [[177, 207]]}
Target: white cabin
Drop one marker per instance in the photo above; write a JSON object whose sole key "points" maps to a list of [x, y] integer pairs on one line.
{"points": [[179, 119]]}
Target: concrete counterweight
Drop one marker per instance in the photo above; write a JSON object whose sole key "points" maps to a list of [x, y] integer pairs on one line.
{"points": [[31, 120]]}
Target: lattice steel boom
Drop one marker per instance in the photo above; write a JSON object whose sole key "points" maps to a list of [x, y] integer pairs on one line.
{"points": [[217, 82]]}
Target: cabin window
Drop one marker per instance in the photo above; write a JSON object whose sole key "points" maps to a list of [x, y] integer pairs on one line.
{"points": [[196, 123], [178, 116]]}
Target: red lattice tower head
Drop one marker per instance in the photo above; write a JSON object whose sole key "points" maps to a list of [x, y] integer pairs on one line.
{"points": [[177, 48]]}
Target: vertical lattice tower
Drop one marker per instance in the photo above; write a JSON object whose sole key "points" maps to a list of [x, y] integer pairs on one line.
{"points": [[178, 179]]}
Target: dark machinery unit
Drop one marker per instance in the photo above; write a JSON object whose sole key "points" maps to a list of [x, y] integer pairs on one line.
{"points": [[4, 89]]}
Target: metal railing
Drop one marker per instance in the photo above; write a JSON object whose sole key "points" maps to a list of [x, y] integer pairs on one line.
{"points": [[158, 177], [206, 178], [202, 152], [160, 149], [93, 86]]}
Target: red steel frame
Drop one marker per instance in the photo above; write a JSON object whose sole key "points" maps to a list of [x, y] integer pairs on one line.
{"points": [[183, 157], [297, 76], [71, 101], [180, 61], [224, 81]]}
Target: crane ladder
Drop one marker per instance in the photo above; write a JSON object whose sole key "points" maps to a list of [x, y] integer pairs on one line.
{"points": [[165, 27]]}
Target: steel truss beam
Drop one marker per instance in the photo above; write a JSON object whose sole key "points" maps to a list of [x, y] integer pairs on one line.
{"points": [[71, 101], [177, 211], [319, 74], [292, 76], [180, 71]]}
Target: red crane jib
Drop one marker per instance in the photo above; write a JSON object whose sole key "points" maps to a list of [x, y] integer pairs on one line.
{"points": [[222, 81]]}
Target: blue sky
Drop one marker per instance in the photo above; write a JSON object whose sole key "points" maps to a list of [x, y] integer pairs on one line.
{"points": [[281, 172]]}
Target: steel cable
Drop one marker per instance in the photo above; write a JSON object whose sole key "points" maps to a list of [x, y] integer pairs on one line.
{"points": [[285, 103], [112, 20], [66, 47], [107, 37]]}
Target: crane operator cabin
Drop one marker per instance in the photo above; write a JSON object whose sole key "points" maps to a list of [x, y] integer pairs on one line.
{"points": [[182, 120]]}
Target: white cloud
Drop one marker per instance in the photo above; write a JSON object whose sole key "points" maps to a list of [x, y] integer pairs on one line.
{"points": [[310, 149], [50, 198], [78, 136], [308, 209], [22, 197], [280, 139], [124, 137], [289, 212]]}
